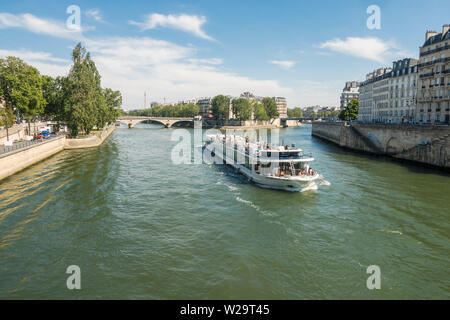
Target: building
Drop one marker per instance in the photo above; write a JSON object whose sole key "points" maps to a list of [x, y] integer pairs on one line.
{"points": [[281, 106], [205, 106], [350, 92], [372, 95], [433, 94], [402, 92]]}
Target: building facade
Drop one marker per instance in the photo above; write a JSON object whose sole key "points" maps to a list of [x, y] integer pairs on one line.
{"points": [[402, 91], [281, 106], [373, 95], [205, 107], [433, 95], [350, 92]]}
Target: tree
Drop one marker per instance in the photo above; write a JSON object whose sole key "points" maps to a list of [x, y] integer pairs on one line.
{"points": [[350, 112], [242, 109], [53, 90], [220, 107], [85, 105], [113, 100], [270, 106], [259, 111], [6, 118], [22, 88], [297, 112]]}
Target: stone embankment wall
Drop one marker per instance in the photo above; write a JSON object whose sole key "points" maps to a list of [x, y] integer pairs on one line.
{"points": [[15, 161], [92, 141], [422, 144], [18, 160]]}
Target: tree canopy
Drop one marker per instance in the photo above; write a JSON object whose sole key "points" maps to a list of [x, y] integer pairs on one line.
{"points": [[242, 109], [21, 87], [350, 112], [259, 111], [297, 112], [220, 107], [270, 106]]}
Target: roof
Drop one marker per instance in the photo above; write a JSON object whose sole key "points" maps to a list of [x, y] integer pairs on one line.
{"points": [[437, 38]]}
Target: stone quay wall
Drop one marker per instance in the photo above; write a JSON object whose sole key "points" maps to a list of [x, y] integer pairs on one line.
{"points": [[428, 145]]}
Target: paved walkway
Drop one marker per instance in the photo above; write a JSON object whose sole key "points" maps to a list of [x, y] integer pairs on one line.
{"points": [[24, 144]]}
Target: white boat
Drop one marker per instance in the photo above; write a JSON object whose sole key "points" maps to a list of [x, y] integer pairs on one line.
{"points": [[267, 165]]}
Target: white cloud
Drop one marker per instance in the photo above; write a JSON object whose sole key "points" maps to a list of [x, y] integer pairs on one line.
{"points": [[368, 48], [285, 64], [164, 69], [161, 68], [188, 23], [95, 14], [38, 25], [43, 61]]}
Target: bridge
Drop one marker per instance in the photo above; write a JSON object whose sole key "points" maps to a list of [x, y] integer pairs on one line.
{"points": [[165, 121]]}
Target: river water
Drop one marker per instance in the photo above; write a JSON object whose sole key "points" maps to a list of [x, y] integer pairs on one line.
{"points": [[141, 227]]}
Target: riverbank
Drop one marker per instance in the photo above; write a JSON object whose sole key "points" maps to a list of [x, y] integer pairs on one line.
{"points": [[17, 160], [425, 145]]}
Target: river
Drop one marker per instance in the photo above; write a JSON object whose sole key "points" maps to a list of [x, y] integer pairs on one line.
{"points": [[141, 227]]}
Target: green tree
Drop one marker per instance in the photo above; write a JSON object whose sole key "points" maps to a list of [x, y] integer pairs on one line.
{"points": [[113, 100], [6, 118], [270, 106], [350, 112], [220, 107], [53, 90], [297, 112], [85, 103], [259, 111], [22, 88], [242, 109]]}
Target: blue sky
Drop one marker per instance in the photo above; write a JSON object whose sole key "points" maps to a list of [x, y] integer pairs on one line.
{"points": [[304, 50]]}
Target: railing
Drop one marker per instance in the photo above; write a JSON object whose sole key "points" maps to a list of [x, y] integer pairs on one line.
{"points": [[24, 144], [433, 51]]}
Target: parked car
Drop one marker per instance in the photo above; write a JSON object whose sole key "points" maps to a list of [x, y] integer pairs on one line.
{"points": [[45, 134]]}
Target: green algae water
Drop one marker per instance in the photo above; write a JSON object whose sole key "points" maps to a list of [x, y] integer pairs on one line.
{"points": [[140, 227]]}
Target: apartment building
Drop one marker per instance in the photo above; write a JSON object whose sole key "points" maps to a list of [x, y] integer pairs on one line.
{"points": [[205, 106], [402, 91], [350, 92], [433, 94], [281, 106], [374, 95]]}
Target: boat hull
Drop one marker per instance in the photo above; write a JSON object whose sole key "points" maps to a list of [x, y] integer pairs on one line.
{"points": [[300, 183]]}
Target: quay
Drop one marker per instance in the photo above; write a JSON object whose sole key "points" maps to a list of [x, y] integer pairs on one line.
{"points": [[423, 144], [24, 154]]}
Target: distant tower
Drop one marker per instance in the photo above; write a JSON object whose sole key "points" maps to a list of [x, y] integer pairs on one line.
{"points": [[145, 100]]}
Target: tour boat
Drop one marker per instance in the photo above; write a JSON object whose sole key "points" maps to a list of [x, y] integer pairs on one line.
{"points": [[267, 165]]}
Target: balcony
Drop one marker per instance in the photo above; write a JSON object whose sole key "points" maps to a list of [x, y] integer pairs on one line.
{"points": [[433, 51], [426, 75]]}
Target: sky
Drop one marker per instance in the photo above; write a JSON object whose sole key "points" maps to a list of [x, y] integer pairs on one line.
{"points": [[180, 50]]}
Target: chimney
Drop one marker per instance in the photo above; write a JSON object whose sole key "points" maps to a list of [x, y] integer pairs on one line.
{"points": [[445, 29], [429, 34]]}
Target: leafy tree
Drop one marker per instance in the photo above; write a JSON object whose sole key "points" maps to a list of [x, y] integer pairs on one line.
{"points": [[85, 105], [220, 107], [53, 90], [113, 100], [270, 106], [6, 118], [259, 111], [297, 112], [350, 112], [242, 109], [22, 87]]}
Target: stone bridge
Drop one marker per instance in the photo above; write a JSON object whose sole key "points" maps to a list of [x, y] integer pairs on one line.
{"points": [[165, 121]]}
